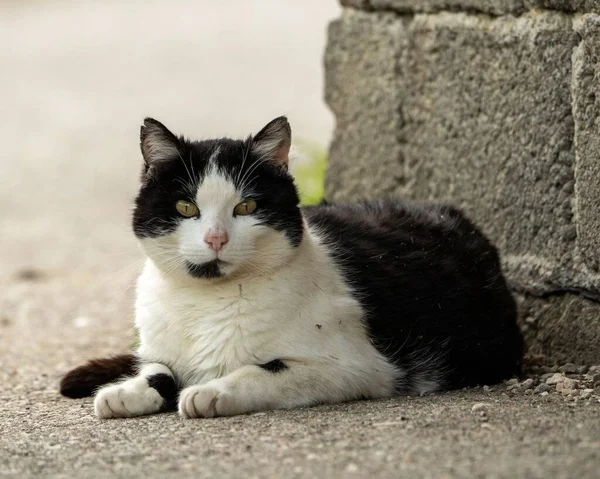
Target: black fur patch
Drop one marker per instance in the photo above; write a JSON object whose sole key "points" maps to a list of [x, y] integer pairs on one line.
{"points": [[437, 303], [166, 387], [208, 270], [84, 380], [275, 366]]}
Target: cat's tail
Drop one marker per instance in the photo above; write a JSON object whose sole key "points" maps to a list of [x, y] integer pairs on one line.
{"points": [[84, 380]]}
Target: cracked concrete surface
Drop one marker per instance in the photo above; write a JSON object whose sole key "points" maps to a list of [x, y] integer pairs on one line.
{"points": [[77, 79]]}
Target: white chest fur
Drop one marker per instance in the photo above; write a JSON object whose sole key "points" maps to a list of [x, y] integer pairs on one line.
{"points": [[304, 312]]}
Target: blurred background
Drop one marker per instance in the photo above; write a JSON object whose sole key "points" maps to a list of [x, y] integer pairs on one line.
{"points": [[77, 80], [79, 77]]}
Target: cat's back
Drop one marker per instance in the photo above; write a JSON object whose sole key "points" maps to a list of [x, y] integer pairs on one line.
{"points": [[399, 234], [429, 279]]}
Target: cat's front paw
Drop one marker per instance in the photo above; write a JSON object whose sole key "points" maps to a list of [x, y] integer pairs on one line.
{"points": [[123, 401], [204, 401]]}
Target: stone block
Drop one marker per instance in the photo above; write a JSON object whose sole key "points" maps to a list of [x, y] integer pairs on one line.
{"points": [[571, 6], [356, 3], [564, 328], [489, 126], [362, 76], [492, 7], [586, 111]]}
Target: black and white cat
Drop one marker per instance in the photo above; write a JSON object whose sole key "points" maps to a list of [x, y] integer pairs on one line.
{"points": [[248, 302]]}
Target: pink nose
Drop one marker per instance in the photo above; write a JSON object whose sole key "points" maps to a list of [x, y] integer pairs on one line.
{"points": [[216, 240]]}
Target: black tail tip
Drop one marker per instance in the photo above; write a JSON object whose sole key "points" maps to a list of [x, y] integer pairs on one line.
{"points": [[84, 380], [73, 387]]}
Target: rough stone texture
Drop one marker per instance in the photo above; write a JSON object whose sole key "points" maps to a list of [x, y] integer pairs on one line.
{"points": [[496, 114], [366, 106], [563, 327], [492, 7], [580, 6], [586, 111], [356, 3], [477, 87]]}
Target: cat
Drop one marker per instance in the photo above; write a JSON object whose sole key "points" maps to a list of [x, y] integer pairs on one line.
{"points": [[249, 302]]}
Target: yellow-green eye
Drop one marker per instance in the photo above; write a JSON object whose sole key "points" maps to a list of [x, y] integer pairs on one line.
{"points": [[246, 207], [186, 209]]}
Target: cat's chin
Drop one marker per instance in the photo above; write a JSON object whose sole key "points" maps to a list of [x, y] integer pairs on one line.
{"points": [[209, 270]]}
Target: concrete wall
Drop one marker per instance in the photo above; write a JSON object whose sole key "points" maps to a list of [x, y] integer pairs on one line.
{"points": [[493, 105]]}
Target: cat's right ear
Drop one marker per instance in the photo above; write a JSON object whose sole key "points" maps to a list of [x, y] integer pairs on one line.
{"points": [[157, 143]]}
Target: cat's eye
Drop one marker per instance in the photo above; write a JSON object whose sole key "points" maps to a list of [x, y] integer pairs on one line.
{"points": [[186, 209], [246, 207]]}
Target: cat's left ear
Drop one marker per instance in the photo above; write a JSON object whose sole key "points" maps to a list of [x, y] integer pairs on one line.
{"points": [[273, 142]]}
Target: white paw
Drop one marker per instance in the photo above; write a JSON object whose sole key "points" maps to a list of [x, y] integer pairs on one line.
{"points": [[204, 401], [123, 400]]}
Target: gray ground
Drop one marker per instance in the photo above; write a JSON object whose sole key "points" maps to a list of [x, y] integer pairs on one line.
{"points": [[76, 80]]}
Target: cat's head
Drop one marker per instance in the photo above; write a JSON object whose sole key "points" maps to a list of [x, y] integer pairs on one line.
{"points": [[217, 208]]}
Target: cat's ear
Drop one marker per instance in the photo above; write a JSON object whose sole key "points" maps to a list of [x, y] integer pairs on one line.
{"points": [[157, 143], [273, 142]]}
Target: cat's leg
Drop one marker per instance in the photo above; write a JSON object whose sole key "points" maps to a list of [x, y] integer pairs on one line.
{"points": [[282, 385], [152, 390]]}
